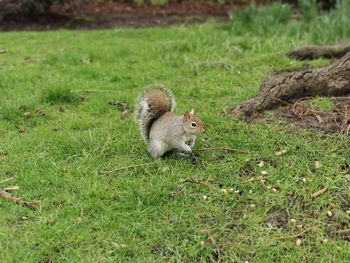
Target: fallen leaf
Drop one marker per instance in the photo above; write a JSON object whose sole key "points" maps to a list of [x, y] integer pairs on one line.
{"points": [[224, 191], [261, 164], [86, 60], [79, 220], [318, 165], [116, 245], [281, 152], [298, 242]]}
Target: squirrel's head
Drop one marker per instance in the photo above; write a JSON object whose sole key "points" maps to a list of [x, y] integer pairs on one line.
{"points": [[192, 124]]}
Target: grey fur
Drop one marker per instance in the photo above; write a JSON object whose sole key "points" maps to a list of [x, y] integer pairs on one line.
{"points": [[144, 115]]}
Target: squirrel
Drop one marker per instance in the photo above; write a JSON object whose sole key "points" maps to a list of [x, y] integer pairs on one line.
{"points": [[161, 128]]}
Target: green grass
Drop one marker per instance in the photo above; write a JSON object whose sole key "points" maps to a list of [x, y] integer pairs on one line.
{"points": [[323, 104], [310, 23], [145, 214]]}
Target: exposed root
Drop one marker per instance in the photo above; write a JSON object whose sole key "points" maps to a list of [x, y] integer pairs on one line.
{"points": [[333, 80], [337, 50]]}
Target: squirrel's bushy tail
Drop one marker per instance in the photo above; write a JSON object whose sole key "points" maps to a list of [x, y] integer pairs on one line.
{"points": [[150, 105]]}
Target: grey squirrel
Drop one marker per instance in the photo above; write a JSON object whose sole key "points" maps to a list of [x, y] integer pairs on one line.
{"points": [[162, 129]]}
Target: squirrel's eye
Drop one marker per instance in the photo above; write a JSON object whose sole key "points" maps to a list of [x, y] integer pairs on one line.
{"points": [[194, 124]]}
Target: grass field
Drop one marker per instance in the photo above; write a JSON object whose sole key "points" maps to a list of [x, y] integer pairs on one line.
{"points": [[61, 140]]}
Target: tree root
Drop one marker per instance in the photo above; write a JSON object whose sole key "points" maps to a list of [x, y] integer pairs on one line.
{"points": [[337, 50], [332, 80]]}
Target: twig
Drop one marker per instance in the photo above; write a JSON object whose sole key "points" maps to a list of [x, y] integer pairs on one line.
{"points": [[17, 200], [7, 180], [295, 235], [205, 149], [334, 98], [11, 188], [124, 168], [318, 193], [347, 130]]}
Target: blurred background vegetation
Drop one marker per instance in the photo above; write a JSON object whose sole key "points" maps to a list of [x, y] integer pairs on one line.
{"points": [[320, 21], [45, 6]]}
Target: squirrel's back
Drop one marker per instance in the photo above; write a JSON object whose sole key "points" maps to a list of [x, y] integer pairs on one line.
{"points": [[150, 105]]}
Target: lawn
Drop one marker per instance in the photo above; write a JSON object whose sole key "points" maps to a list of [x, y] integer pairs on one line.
{"points": [[64, 143]]}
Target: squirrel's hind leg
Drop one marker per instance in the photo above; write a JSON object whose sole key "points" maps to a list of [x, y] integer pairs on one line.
{"points": [[156, 149], [182, 147]]}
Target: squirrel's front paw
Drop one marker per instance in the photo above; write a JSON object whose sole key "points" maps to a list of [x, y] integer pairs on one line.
{"points": [[185, 153]]}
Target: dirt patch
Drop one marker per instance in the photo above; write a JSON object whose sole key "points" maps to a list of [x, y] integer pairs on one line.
{"points": [[302, 114], [92, 14], [338, 228], [278, 219]]}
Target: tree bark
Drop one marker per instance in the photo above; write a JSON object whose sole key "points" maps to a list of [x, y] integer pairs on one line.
{"points": [[333, 80], [337, 50]]}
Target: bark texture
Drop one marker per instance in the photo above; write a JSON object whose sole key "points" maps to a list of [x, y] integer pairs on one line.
{"points": [[337, 50], [333, 80]]}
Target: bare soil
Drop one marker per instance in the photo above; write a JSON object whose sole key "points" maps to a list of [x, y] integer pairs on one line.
{"points": [[301, 114], [108, 15]]}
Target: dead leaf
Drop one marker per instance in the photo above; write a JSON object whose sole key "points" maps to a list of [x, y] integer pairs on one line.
{"points": [[261, 164], [79, 220], [318, 165], [86, 60], [116, 245], [298, 242], [281, 152]]}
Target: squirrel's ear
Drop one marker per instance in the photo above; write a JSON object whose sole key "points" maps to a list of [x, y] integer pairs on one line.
{"points": [[192, 112], [186, 116]]}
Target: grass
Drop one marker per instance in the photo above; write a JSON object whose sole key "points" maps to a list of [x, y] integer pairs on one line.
{"points": [[323, 104], [147, 213], [311, 23]]}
